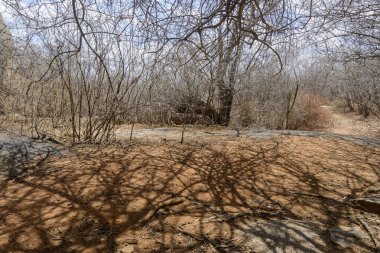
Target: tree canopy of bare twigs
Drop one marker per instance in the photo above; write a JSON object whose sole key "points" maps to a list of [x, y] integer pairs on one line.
{"points": [[84, 67]]}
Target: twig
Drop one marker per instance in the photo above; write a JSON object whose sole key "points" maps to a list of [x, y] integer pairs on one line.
{"points": [[317, 196], [166, 203], [258, 213], [183, 133], [130, 135], [369, 230], [307, 195], [202, 238]]}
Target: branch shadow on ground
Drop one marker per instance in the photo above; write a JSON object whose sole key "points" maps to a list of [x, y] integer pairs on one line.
{"points": [[237, 197], [20, 158]]}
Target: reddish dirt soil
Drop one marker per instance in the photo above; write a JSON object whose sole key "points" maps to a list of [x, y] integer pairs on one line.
{"points": [[110, 199]]}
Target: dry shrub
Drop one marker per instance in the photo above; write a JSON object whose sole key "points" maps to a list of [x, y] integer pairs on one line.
{"points": [[308, 113]]}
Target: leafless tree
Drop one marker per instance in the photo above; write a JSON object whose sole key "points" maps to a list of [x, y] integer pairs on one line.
{"points": [[85, 67], [6, 47], [349, 29]]}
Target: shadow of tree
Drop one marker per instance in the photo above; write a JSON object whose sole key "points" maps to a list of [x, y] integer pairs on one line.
{"points": [[20, 157], [242, 195]]}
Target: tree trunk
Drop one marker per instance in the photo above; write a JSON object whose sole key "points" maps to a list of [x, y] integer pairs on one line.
{"points": [[349, 103], [6, 47], [226, 98], [226, 85], [363, 110]]}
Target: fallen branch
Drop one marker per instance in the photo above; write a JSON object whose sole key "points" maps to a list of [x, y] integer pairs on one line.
{"points": [[202, 238], [257, 213], [51, 139], [166, 203], [47, 137], [317, 196], [310, 195], [369, 231]]}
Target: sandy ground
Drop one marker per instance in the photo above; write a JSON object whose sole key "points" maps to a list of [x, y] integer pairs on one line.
{"points": [[349, 126], [218, 192], [353, 124]]}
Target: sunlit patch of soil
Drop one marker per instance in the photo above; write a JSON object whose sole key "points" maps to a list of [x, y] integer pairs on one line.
{"points": [[109, 199]]}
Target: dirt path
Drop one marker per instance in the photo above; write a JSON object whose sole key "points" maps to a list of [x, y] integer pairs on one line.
{"points": [[352, 124], [348, 126], [173, 135]]}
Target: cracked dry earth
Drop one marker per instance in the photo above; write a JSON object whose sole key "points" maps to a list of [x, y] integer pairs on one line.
{"points": [[283, 193]]}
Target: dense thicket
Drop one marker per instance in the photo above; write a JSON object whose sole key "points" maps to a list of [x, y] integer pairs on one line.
{"points": [[81, 68]]}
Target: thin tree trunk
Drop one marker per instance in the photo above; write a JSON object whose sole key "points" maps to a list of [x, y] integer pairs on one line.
{"points": [[226, 87]]}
